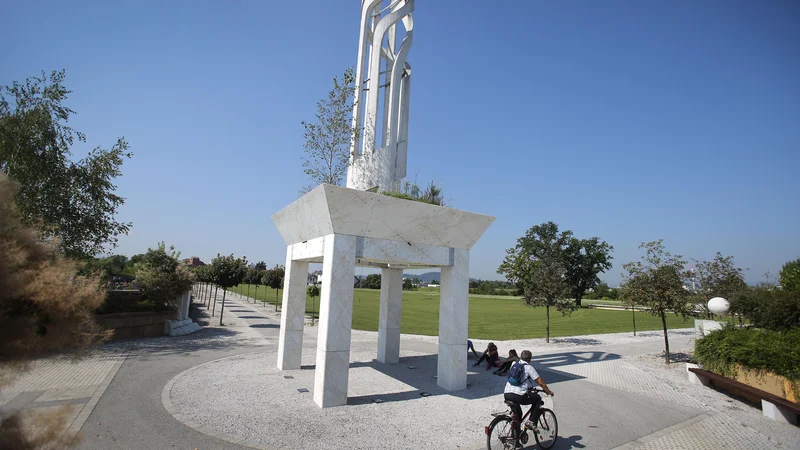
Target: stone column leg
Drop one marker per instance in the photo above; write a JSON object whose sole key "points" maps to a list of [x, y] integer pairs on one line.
{"points": [[453, 322], [335, 321], [290, 343], [389, 316]]}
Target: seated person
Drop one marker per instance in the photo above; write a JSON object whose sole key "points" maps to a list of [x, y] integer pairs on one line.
{"points": [[490, 355], [471, 346], [506, 363]]}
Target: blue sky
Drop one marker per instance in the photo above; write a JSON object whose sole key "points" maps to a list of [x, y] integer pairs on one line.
{"points": [[630, 121]]}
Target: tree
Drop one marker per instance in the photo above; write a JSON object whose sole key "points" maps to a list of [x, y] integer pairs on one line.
{"points": [[407, 286], [790, 276], [162, 278], [274, 279], [261, 266], [74, 201], [45, 308], [719, 278], [657, 282], [585, 259], [372, 281], [537, 264], [327, 142], [228, 272], [313, 292]]}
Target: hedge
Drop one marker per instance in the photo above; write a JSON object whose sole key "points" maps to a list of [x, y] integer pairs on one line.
{"points": [[722, 350]]}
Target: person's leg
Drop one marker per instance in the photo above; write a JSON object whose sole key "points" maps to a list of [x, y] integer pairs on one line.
{"points": [[483, 356], [491, 361], [471, 347], [504, 368], [535, 399]]}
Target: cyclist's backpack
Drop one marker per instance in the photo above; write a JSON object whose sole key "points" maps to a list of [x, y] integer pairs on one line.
{"points": [[517, 376]]}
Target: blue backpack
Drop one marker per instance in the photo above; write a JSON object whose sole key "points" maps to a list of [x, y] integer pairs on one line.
{"points": [[517, 375]]}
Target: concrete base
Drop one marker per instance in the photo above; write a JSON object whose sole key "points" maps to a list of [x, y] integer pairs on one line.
{"points": [[693, 378], [180, 327], [778, 413]]}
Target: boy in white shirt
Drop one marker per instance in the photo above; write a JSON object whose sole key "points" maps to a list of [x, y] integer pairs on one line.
{"points": [[519, 394]]}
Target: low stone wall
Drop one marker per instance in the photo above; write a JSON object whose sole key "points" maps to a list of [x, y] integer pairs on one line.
{"points": [[136, 324]]}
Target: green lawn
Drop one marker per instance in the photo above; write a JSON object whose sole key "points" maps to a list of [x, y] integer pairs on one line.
{"points": [[490, 317]]}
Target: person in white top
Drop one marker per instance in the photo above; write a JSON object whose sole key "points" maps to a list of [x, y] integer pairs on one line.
{"points": [[519, 395]]}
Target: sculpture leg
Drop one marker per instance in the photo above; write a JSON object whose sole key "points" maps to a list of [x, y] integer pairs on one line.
{"points": [[290, 342], [389, 316], [453, 322]]}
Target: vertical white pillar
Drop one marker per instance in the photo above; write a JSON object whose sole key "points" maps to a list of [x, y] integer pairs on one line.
{"points": [[290, 343], [453, 322], [335, 320], [389, 316]]}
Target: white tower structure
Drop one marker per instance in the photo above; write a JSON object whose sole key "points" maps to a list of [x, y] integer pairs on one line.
{"points": [[378, 152]]}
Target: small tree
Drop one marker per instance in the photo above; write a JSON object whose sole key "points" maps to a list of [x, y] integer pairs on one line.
{"points": [[720, 278], [657, 281], [228, 272], [537, 264], [585, 259], [313, 292], [407, 286], [790, 276], [274, 279], [162, 278], [327, 142], [373, 281]]}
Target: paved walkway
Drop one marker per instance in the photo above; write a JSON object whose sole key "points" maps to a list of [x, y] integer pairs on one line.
{"points": [[602, 400]]}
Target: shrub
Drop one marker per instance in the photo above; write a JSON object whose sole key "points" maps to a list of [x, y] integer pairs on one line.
{"points": [[770, 307], [721, 350], [162, 278]]}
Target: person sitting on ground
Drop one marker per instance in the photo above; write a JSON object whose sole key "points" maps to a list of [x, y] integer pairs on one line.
{"points": [[471, 346], [520, 394], [506, 363], [490, 355]]}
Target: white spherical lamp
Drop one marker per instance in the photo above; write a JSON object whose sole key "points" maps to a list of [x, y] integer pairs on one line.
{"points": [[719, 306]]}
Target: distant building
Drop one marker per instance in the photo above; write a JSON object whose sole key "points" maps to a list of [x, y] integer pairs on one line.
{"points": [[194, 261]]}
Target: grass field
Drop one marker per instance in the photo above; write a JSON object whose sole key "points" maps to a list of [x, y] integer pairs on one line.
{"points": [[490, 317]]}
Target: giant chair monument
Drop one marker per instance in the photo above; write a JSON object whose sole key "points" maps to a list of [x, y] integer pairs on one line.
{"points": [[347, 227]]}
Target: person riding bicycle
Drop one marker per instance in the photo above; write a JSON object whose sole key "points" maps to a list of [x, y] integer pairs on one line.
{"points": [[521, 394]]}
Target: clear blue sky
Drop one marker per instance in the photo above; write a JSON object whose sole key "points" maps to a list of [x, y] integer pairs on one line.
{"points": [[627, 120]]}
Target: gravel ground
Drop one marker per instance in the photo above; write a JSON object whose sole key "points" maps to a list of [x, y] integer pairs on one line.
{"points": [[239, 396], [674, 376]]}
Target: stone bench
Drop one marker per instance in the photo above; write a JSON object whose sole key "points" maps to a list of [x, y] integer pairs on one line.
{"points": [[774, 407]]}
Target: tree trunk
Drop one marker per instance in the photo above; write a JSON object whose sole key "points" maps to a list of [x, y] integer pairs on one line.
{"points": [[255, 300], [248, 292], [666, 339], [313, 308], [216, 289], [740, 321], [578, 301], [222, 308], [633, 310], [548, 323], [276, 300]]}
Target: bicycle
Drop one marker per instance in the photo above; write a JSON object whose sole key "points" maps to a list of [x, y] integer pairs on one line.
{"points": [[501, 433]]}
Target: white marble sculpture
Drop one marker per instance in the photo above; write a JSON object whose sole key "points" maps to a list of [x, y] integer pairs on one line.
{"points": [[372, 163], [347, 227]]}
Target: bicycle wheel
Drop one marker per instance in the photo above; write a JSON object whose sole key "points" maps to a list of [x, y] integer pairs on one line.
{"points": [[501, 435], [547, 432]]}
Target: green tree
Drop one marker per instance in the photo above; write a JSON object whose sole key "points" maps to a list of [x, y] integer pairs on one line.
{"points": [[657, 282], [74, 201], [261, 266], [537, 264], [228, 272], [585, 260], [313, 292], [162, 278], [372, 281], [719, 278], [274, 279], [327, 141], [407, 285], [790, 276]]}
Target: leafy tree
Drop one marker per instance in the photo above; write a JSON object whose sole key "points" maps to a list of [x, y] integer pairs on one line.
{"points": [[407, 285], [327, 141], [790, 276], [274, 279], [585, 259], [203, 275], [657, 281], [162, 278], [537, 264], [313, 292], [720, 278], [253, 276], [261, 266], [45, 308], [372, 281], [228, 272], [74, 201]]}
